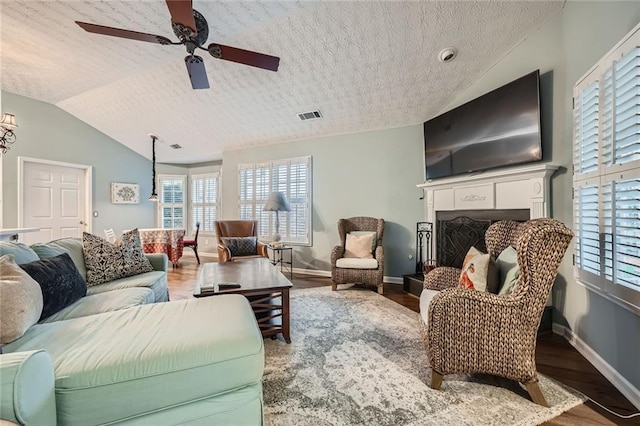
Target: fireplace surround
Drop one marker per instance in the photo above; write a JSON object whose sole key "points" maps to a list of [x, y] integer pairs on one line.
{"points": [[517, 193]]}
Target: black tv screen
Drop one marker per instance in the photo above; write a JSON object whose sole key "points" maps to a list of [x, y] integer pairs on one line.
{"points": [[500, 128]]}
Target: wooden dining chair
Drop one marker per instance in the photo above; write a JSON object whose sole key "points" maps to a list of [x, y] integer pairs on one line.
{"points": [[194, 243]]}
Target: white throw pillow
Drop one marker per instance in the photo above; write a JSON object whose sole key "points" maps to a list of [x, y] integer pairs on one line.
{"points": [[509, 270], [20, 300], [358, 246]]}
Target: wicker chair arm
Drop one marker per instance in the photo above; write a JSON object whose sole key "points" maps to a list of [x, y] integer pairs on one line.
{"points": [[380, 256], [336, 253], [441, 278], [474, 331]]}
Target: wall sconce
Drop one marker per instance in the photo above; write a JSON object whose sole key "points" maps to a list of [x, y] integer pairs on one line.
{"points": [[7, 137], [153, 196]]}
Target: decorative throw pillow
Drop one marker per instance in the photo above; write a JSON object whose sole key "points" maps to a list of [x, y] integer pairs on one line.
{"points": [[20, 300], [509, 271], [59, 280], [22, 253], [103, 260], [358, 246], [479, 272], [241, 246], [374, 238], [135, 262]]}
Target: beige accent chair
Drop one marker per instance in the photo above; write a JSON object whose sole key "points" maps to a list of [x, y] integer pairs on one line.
{"points": [[469, 331], [352, 270], [237, 228]]}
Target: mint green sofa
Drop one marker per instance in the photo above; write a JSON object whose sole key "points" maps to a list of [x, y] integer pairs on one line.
{"points": [[121, 358]]}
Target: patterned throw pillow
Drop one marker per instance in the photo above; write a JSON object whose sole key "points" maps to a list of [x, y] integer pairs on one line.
{"points": [[508, 270], [103, 260], [479, 272], [241, 246], [59, 280], [135, 262]]}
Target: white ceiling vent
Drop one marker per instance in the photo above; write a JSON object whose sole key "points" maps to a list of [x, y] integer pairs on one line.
{"points": [[176, 146], [309, 115]]}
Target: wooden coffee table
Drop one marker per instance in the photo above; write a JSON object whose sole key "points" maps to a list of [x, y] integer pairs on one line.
{"points": [[260, 282]]}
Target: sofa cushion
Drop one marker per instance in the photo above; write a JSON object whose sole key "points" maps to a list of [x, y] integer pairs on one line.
{"points": [[241, 246], [104, 302], [156, 281], [71, 246], [22, 253], [20, 300], [358, 246], [353, 263], [59, 280], [187, 350]]}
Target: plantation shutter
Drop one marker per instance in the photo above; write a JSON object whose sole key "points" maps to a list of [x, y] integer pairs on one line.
{"points": [[607, 174], [171, 202], [204, 201], [290, 176]]}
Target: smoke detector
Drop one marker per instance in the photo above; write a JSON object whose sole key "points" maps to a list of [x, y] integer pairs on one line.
{"points": [[447, 55]]}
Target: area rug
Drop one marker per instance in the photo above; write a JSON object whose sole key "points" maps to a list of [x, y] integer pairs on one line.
{"points": [[356, 358]]}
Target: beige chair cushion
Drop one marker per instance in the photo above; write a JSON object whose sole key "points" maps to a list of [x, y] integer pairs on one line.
{"points": [[20, 300], [425, 299], [358, 246], [354, 263]]}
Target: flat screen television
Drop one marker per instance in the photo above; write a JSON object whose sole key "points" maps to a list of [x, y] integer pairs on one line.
{"points": [[500, 128]]}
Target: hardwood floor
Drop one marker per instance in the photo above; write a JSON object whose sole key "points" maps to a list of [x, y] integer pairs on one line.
{"points": [[555, 357]]}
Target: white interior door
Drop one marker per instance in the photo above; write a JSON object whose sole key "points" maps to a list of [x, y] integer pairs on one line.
{"points": [[54, 199]]}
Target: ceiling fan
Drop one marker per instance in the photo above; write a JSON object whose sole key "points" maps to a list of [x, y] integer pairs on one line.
{"points": [[192, 31]]}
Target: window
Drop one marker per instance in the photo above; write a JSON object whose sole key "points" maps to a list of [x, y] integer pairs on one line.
{"points": [[205, 201], [606, 182], [171, 205], [291, 176]]}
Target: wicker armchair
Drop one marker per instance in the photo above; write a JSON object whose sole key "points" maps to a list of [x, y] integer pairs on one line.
{"points": [[467, 331], [371, 276]]}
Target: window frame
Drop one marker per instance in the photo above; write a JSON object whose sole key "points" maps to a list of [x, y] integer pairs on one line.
{"points": [[604, 178], [250, 199], [161, 204], [193, 205]]}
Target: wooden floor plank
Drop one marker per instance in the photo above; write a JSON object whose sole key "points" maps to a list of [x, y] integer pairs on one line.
{"points": [[555, 357]]}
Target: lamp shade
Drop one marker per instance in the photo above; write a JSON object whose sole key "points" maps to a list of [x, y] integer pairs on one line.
{"points": [[8, 121], [277, 202]]}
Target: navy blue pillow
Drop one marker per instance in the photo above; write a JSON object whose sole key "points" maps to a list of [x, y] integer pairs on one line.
{"points": [[59, 280]]}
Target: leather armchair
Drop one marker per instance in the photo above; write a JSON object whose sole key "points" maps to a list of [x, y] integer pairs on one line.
{"points": [[237, 228]]}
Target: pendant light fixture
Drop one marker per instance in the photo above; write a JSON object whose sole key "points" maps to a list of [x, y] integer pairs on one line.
{"points": [[154, 196]]}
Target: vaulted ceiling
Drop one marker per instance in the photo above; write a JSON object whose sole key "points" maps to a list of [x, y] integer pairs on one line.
{"points": [[364, 65]]}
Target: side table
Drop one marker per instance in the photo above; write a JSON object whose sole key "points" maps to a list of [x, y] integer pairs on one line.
{"points": [[276, 257]]}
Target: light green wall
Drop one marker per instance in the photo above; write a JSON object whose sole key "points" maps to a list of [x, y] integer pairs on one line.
{"points": [[363, 174], [564, 49], [47, 132]]}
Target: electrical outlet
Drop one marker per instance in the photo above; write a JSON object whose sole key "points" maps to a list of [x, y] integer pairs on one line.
{"points": [[410, 257]]}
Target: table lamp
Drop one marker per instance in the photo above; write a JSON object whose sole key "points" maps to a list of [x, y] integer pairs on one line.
{"points": [[277, 202]]}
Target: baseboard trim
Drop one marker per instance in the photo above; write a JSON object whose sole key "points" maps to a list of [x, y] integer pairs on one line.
{"points": [[623, 385], [327, 274]]}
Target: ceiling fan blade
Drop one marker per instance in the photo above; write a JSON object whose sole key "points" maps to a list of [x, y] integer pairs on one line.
{"points": [[241, 56], [197, 73], [182, 13], [117, 32]]}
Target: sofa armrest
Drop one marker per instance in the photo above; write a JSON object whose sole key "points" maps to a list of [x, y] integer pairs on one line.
{"points": [[27, 388], [159, 261]]}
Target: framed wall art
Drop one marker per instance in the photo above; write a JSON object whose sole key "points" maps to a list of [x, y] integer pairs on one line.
{"points": [[125, 193]]}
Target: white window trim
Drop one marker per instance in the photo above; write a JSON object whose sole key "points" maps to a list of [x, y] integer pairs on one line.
{"points": [[309, 200], [625, 297], [217, 203], [185, 194]]}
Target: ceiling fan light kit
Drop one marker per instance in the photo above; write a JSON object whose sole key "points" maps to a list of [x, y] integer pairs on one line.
{"points": [[192, 31]]}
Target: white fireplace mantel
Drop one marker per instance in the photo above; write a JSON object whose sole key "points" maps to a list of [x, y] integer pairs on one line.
{"points": [[521, 187]]}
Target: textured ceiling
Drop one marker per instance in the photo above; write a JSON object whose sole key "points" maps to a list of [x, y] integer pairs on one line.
{"points": [[365, 65]]}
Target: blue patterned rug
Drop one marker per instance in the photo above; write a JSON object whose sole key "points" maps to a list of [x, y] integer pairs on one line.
{"points": [[356, 358]]}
